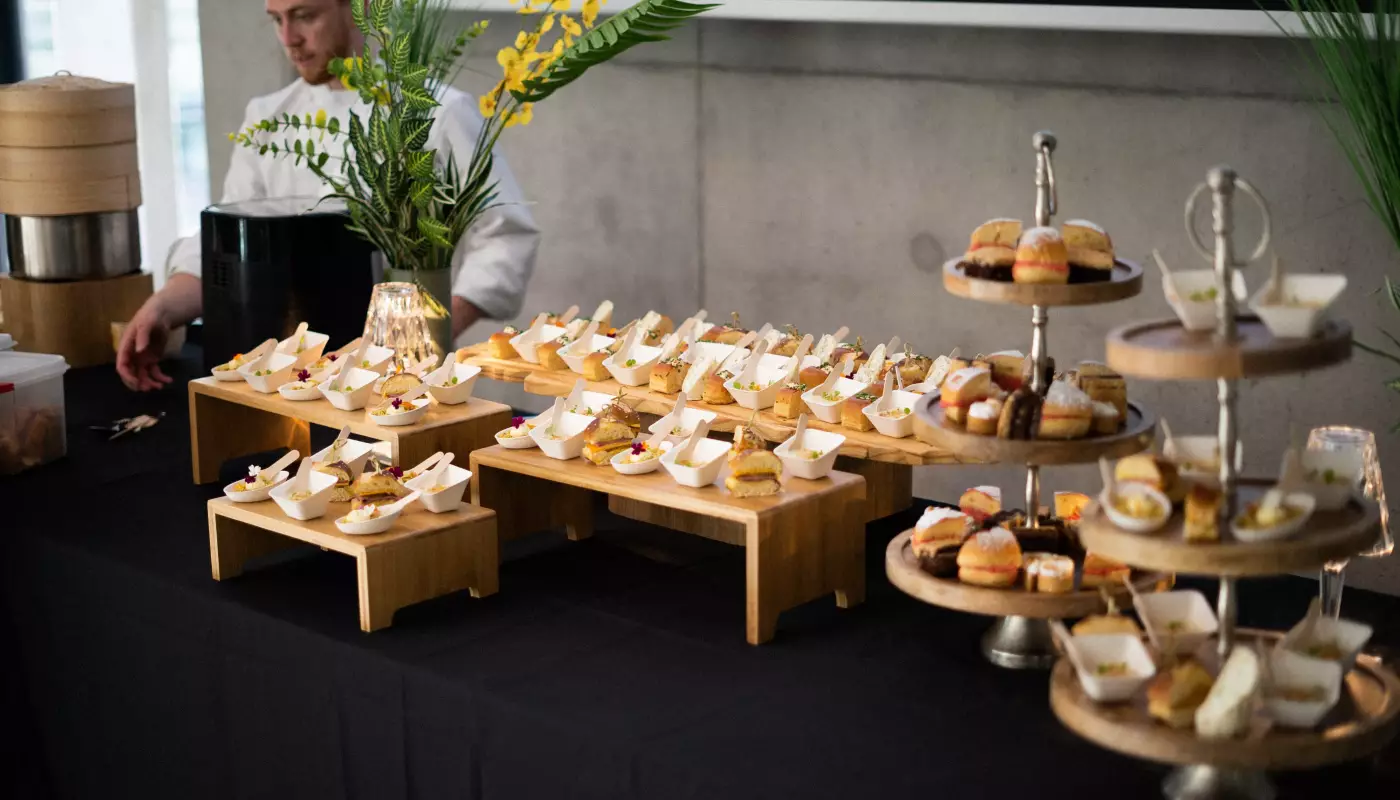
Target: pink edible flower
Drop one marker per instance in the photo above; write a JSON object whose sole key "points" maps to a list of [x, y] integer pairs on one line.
{"points": [[516, 422], [638, 448], [303, 376]]}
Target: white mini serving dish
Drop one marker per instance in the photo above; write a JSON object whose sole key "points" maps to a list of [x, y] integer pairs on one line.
{"points": [[526, 345], [310, 353], [714, 351], [457, 393], [518, 442], [454, 485], [376, 360], [313, 507], [770, 378], [642, 358], [1111, 648], [1295, 321], [590, 404], [354, 453], [1159, 610], [1302, 500], [280, 365], [257, 495], [1291, 670], [299, 395], [708, 453], [420, 409], [641, 467], [1349, 636], [1186, 451], [1133, 524], [228, 375], [1346, 468], [570, 428], [379, 524], [1197, 315], [894, 428], [812, 469], [830, 410], [574, 356], [361, 383], [690, 417]]}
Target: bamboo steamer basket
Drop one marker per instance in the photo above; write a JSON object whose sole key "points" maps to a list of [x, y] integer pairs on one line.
{"points": [[66, 111], [55, 164]]}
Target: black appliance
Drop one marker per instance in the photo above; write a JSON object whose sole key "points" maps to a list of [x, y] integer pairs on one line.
{"points": [[270, 264]]}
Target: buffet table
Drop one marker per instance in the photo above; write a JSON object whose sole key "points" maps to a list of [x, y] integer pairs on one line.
{"points": [[604, 668]]}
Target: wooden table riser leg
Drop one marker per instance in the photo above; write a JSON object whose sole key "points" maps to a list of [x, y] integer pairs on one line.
{"points": [[232, 544], [425, 567], [889, 488], [526, 505], [413, 446], [221, 431]]}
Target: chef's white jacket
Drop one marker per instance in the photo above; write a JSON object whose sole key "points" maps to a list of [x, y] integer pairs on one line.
{"points": [[496, 256]]}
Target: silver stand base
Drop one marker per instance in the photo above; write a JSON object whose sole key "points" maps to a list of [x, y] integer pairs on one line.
{"points": [[1020, 643], [1203, 782]]}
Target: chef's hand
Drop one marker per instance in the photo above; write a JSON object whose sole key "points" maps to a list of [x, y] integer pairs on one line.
{"points": [[464, 315], [143, 341]]}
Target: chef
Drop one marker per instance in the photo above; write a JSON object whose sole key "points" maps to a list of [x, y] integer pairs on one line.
{"points": [[493, 261]]}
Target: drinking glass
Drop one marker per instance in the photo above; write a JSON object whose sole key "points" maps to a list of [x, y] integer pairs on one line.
{"points": [[1362, 443]]}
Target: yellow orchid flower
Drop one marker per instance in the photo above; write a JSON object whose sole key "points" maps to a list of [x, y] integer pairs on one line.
{"points": [[560, 5], [527, 10], [570, 27], [590, 12], [520, 39], [522, 115], [507, 56], [546, 24], [487, 103]]}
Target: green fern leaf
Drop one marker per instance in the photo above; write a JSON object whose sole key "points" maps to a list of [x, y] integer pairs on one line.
{"points": [[399, 53], [418, 134], [357, 15], [379, 11], [420, 164], [418, 99]]}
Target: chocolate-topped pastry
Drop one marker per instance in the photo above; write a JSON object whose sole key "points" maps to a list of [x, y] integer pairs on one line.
{"points": [[1020, 415], [1047, 538]]}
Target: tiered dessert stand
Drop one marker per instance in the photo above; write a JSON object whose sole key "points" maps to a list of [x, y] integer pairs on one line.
{"points": [[1239, 348], [1021, 638]]}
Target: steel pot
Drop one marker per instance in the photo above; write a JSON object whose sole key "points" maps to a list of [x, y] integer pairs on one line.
{"points": [[74, 247]]}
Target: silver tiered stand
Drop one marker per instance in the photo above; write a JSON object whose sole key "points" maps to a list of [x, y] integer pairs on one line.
{"points": [[1016, 641], [1240, 347]]}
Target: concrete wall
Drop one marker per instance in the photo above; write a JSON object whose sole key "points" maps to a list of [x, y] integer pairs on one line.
{"points": [[820, 174]]}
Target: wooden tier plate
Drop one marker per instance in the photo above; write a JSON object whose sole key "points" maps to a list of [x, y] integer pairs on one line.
{"points": [[1362, 722], [931, 427], [1329, 535], [1163, 350], [904, 572], [1126, 282]]}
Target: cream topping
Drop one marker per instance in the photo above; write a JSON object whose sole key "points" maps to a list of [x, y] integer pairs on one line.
{"points": [[960, 378], [1105, 410], [1039, 236], [936, 514], [996, 539], [1064, 395], [983, 410], [993, 492], [1084, 223]]}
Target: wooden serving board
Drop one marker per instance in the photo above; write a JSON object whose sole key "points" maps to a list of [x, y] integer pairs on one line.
{"points": [[933, 427], [229, 419], [425, 555], [1164, 350], [1327, 536], [1126, 282], [904, 572], [1363, 721]]}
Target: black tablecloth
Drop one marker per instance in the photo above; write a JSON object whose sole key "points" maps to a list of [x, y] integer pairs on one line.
{"points": [[611, 668]]}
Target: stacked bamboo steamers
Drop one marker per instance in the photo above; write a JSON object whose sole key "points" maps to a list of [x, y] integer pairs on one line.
{"points": [[70, 187]]}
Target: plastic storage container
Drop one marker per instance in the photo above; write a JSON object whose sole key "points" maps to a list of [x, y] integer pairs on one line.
{"points": [[32, 419]]}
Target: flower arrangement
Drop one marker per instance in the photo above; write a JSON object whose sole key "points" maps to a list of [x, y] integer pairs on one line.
{"points": [[412, 203]]}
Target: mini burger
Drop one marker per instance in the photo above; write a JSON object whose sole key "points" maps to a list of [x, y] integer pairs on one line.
{"points": [[621, 412], [725, 334], [342, 492], [990, 558], [376, 489], [604, 438], [754, 473]]}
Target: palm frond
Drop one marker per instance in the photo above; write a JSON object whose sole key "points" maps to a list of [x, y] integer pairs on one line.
{"points": [[647, 21]]}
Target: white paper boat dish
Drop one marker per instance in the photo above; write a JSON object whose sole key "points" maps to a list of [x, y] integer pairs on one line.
{"points": [[623, 467], [770, 381], [1176, 622], [801, 464], [635, 370], [709, 458], [690, 417], [574, 356], [278, 369], [449, 497], [525, 344], [255, 495], [388, 515], [292, 390], [590, 404], [1347, 636], [313, 507], [354, 453], [569, 431], [360, 382], [714, 350], [830, 410], [524, 442], [451, 394], [1101, 649], [312, 345], [1306, 300], [386, 416], [1137, 524], [377, 359], [894, 427], [1300, 500], [1332, 478], [1291, 671], [1195, 307], [1198, 457]]}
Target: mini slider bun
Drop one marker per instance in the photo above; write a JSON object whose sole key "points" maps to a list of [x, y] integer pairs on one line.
{"points": [[813, 376], [1041, 258], [789, 403], [604, 438], [992, 250], [715, 392], [725, 334], [621, 412], [754, 471], [499, 343], [593, 368], [1090, 251], [376, 489], [853, 411], [667, 376], [548, 354], [913, 369], [990, 558], [342, 492]]}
